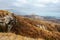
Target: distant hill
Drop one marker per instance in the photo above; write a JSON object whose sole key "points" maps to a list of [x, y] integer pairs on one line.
{"points": [[46, 18]]}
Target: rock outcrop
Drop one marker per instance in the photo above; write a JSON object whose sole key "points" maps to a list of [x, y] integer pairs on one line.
{"points": [[6, 20]]}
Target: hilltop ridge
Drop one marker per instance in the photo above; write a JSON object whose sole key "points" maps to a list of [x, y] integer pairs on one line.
{"points": [[27, 27]]}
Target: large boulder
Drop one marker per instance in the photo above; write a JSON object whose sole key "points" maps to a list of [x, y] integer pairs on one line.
{"points": [[6, 19]]}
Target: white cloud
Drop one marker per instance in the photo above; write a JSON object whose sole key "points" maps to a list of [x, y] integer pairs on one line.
{"points": [[55, 1], [22, 1], [42, 3], [19, 3], [16, 4], [37, 3], [48, 1], [31, 5]]}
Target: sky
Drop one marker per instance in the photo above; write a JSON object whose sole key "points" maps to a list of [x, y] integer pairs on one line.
{"points": [[37, 7]]}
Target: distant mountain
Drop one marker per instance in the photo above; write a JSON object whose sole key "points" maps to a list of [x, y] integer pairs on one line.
{"points": [[52, 19], [34, 16], [47, 18]]}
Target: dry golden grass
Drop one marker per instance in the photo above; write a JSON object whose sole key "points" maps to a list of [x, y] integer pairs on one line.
{"points": [[24, 28], [48, 25], [12, 36]]}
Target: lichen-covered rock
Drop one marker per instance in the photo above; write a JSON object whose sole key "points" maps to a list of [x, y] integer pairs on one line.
{"points": [[6, 19]]}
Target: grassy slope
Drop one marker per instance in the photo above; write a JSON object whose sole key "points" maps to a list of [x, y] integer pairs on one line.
{"points": [[24, 28]]}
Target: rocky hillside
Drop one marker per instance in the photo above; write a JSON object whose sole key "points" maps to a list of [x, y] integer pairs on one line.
{"points": [[27, 27]]}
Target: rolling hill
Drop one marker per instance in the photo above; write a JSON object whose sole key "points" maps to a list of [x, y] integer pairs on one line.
{"points": [[27, 28]]}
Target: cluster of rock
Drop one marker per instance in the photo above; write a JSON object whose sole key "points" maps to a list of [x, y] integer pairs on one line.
{"points": [[6, 20]]}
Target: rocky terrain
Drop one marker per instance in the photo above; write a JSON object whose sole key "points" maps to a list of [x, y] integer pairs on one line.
{"points": [[14, 27]]}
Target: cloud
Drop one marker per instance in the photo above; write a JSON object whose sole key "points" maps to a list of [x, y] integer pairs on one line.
{"points": [[29, 6], [37, 3], [6, 4], [19, 3], [43, 3], [48, 1], [22, 1]]}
